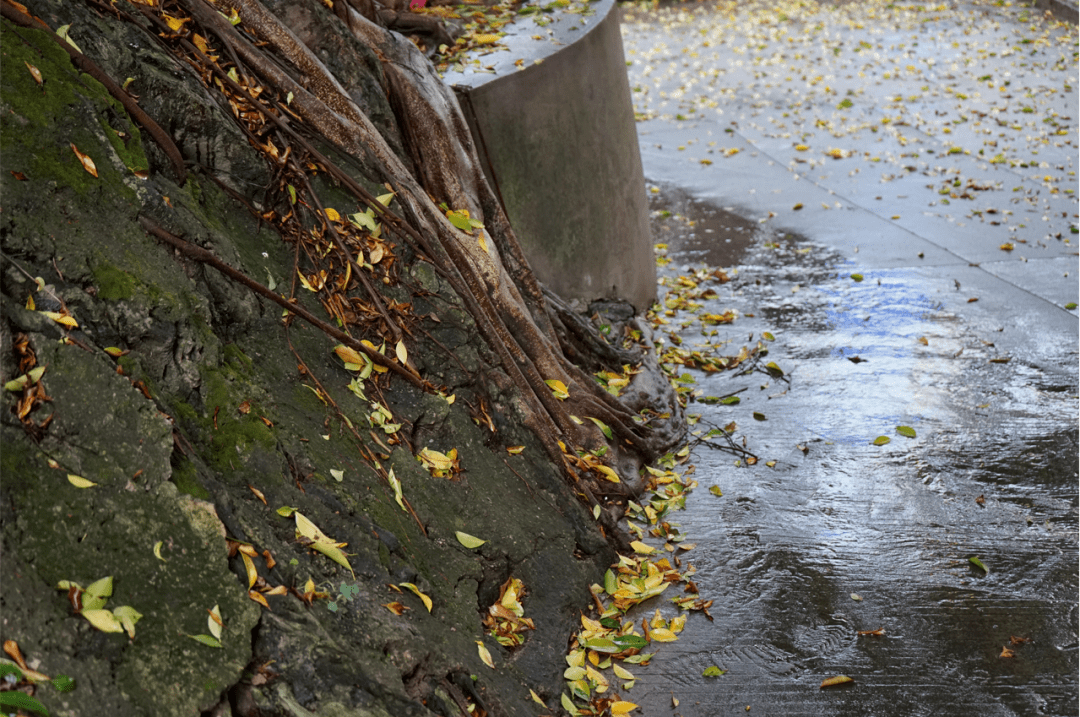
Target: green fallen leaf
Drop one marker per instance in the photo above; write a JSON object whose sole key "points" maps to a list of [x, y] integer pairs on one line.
{"points": [[1071, 305], [713, 671], [64, 31], [767, 336], [715, 490], [774, 369], [19, 383], [906, 431], [22, 701], [396, 485], [979, 564], [630, 642], [127, 616], [468, 541], [602, 644], [856, 597], [97, 593], [206, 640], [758, 416], [856, 277], [610, 582], [639, 659], [63, 683], [602, 426], [881, 440]]}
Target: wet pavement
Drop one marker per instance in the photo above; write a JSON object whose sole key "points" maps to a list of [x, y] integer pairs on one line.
{"points": [[947, 333]]}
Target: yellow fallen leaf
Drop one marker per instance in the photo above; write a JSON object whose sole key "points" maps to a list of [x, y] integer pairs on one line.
{"points": [[641, 548], [834, 681], [536, 699], [416, 591], [175, 24], [332, 215], [103, 620], [319, 540], [249, 567], [468, 541], [350, 356], [622, 708], [62, 319], [402, 352], [80, 482], [662, 634], [395, 607], [157, 550], [558, 388], [485, 655], [608, 473]]}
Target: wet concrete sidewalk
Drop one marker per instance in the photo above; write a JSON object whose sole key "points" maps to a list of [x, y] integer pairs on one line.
{"points": [[894, 189]]}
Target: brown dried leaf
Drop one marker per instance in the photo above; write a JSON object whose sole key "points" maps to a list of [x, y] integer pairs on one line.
{"points": [[87, 163], [35, 72]]}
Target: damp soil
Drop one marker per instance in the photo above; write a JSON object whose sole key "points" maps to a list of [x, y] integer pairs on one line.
{"points": [[840, 535]]}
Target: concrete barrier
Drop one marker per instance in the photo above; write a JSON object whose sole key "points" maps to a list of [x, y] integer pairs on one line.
{"points": [[553, 122]]}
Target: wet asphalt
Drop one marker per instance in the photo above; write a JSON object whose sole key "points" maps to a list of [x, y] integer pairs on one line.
{"points": [[930, 150]]}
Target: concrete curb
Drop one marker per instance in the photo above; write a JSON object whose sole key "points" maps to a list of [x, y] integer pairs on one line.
{"points": [[1064, 10], [553, 122]]}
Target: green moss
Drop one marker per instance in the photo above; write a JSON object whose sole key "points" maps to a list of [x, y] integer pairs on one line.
{"points": [[114, 284], [232, 434], [185, 411], [59, 109], [186, 479], [15, 461], [238, 360], [127, 142]]}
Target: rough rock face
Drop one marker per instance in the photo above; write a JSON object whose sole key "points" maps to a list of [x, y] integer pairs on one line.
{"points": [[214, 400]]}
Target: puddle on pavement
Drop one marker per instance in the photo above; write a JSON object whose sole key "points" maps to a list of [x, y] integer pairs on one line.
{"points": [[992, 473], [697, 232]]}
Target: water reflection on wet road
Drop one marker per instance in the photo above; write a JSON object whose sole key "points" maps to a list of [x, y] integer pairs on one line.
{"points": [[808, 144], [991, 473]]}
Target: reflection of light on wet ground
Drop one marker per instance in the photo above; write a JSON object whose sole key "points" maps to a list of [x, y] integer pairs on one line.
{"points": [[784, 549]]}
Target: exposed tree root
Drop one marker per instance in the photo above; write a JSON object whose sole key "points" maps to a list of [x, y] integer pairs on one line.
{"points": [[536, 338]]}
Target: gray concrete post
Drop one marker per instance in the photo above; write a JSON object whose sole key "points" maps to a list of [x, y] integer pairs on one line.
{"points": [[559, 144]]}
